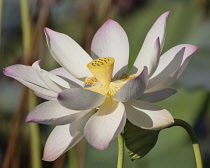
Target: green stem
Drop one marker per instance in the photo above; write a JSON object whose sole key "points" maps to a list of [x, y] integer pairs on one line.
{"points": [[1, 12], [120, 159], [34, 128], [34, 135], [25, 28], [72, 158], [193, 138]]}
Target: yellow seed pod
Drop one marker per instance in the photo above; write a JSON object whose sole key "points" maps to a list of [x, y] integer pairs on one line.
{"points": [[102, 69]]}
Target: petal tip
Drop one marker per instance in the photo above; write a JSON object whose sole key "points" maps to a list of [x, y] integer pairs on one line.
{"points": [[195, 48], [48, 159], [60, 96], [105, 146], [110, 21], [7, 71], [46, 30], [29, 119], [166, 14]]}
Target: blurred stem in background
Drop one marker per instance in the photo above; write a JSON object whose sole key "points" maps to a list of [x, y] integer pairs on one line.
{"points": [[72, 158], [1, 12], [15, 130], [34, 128], [193, 138]]}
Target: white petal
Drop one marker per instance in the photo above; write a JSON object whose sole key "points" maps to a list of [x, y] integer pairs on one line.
{"points": [[25, 73], [80, 99], [146, 55], [133, 88], [45, 78], [103, 126], [52, 113], [166, 59], [163, 71], [64, 137], [68, 53], [147, 115], [150, 61], [157, 95], [45, 97], [64, 74], [111, 41], [28, 77]]}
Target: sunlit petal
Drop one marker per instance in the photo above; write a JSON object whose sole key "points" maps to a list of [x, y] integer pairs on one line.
{"points": [[147, 115], [145, 56], [52, 113], [104, 124], [111, 41], [68, 53]]}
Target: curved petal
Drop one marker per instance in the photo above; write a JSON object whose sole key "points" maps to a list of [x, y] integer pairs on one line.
{"points": [[163, 71], [80, 99], [64, 137], [111, 41], [157, 95], [121, 127], [45, 78], [64, 74], [147, 115], [145, 55], [150, 61], [28, 77], [165, 60], [68, 53], [45, 97], [102, 127], [133, 88], [25, 73], [52, 113]]}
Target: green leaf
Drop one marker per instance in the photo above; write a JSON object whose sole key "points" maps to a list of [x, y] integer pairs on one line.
{"points": [[138, 141]]}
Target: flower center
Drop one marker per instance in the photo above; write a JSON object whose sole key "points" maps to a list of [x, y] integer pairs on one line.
{"points": [[102, 69]]}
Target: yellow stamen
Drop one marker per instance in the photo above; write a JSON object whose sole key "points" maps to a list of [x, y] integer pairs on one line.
{"points": [[102, 69], [91, 80]]}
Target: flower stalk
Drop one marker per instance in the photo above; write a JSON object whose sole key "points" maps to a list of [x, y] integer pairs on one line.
{"points": [[34, 135], [193, 138], [120, 159]]}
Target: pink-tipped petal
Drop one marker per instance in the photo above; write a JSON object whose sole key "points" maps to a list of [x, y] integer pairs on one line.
{"points": [[52, 113], [146, 55], [28, 77], [111, 41], [164, 70], [68, 53], [165, 60], [103, 126], [60, 140], [64, 137]]}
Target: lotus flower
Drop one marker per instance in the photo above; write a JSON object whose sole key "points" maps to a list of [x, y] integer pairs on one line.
{"points": [[92, 97]]}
